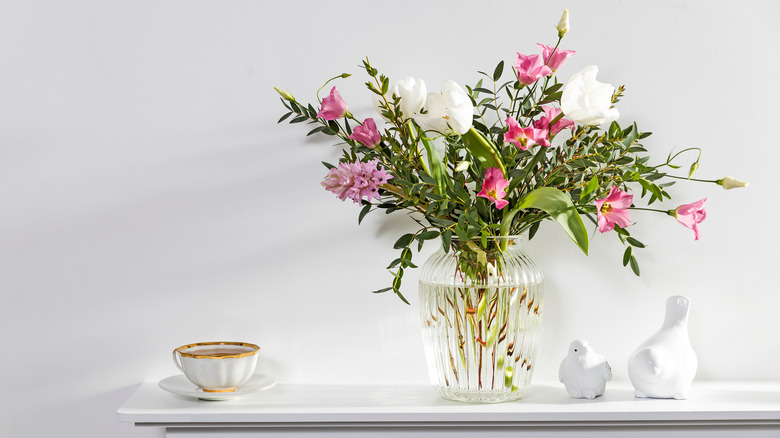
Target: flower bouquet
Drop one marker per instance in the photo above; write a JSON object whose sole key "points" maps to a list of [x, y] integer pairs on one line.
{"points": [[474, 166], [516, 151]]}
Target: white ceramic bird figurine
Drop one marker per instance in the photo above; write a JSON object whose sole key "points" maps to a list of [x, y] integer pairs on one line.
{"points": [[584, 372], [665, 364]]}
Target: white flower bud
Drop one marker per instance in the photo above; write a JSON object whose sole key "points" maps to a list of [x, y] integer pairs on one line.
{"points": [[285, 94], [462, 166], [563, 25], [729, 183]]}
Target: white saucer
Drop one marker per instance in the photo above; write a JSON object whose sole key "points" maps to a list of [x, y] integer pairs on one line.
{"points": [[180, 385]]}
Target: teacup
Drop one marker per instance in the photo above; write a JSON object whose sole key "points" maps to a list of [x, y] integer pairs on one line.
{"points": [[217, 366]]}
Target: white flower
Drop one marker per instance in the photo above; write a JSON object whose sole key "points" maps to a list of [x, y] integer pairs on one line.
{"points": [[462, 166], [729, 183], [563, 25], [586, 100], [412, 93], [449, 111]]}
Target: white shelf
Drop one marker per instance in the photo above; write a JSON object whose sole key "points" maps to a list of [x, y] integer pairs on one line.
{"points": [[754, 406]]}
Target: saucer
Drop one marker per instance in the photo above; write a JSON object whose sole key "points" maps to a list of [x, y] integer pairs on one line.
{"points": [[180, 385]]}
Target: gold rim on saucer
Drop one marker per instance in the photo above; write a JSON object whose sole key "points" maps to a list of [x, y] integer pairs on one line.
{"points": [[211, 356], [220, 390]]}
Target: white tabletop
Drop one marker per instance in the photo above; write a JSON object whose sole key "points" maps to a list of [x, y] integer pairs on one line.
{"points": [[296, 403]]}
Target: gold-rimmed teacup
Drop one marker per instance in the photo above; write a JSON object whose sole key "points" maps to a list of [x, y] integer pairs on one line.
{"points": [[217, 366]]}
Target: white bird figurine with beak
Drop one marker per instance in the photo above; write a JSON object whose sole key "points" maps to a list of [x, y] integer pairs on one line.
{"points": [[584, 372]]}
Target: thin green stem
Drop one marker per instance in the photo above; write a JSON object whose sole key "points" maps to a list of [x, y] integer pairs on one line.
{"points": [[649, 209], [343, 75], [692, 179]]}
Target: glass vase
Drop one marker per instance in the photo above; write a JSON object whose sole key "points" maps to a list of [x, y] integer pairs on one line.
{"points": [[481, 308]]}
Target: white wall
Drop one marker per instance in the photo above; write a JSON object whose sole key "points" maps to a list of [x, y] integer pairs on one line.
{"points": [[150, 199]]}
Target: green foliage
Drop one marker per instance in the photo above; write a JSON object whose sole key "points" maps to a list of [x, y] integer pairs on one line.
{"points": [[559, 182]]}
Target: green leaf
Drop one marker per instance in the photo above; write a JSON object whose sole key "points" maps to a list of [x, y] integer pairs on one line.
{"points": [[383, 290], [364, 212], [316, 130], [284, 117], [593, 184], [553, 97], [403, 241], [400, 295], [397, 285], [428, 235], [627, 256], [446, 239], [614, 130], [483, 150], [406, 259], [634, 242], [532, 231], [634, 266], [498, 71], [558, 206], [461, 232], [552, 90], [436, 165], [630, 137]]}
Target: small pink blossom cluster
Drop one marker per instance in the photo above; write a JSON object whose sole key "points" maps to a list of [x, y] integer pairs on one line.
{"points": [[356, 180]]}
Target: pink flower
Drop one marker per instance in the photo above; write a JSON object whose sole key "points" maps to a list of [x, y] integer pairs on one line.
{"points": [[691, 215], [614, 210], [367, 133], [494, 186], [550, 114], [530, 68], [525, 137], [333, 106], [356, 180], [557, 58]]}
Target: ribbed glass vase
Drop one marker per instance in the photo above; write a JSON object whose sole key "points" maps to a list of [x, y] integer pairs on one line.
{"points": [[481, 307]]}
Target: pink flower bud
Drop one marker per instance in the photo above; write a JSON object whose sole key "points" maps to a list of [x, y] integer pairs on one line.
{"points": [[367, 133]]}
